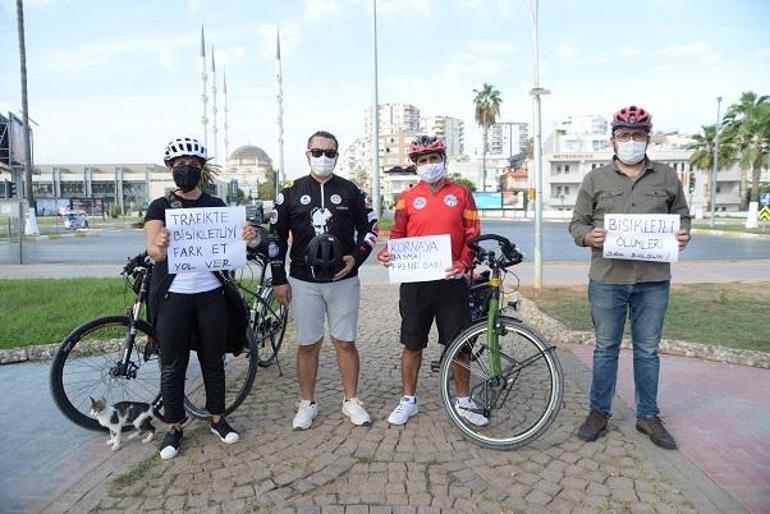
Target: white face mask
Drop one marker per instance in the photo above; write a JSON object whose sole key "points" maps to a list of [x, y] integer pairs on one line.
{"points": [[322, 166], [631, 152], [431, 173]]}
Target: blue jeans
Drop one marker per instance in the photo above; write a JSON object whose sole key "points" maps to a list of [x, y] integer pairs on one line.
{"points": [[610, 305]]}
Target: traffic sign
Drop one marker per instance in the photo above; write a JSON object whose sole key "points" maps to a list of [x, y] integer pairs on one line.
{"points": [[764, 213], [764, 199]]}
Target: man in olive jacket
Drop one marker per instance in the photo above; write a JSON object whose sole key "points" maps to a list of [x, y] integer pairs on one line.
{"points": [[632, 184]]}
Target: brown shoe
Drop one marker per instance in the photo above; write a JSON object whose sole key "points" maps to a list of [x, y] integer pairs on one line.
{"points": [[653, 427], [594, 426]]}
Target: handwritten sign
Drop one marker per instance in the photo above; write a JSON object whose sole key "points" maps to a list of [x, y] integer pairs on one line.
{"points": [[205, 239], [419, 259], [641, 237]]}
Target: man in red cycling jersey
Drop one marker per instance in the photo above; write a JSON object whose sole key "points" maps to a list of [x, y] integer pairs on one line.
{"points": [[435, 206]]}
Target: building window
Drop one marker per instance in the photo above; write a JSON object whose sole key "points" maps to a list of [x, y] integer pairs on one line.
{"points": [[558, 168], [71, 188], [566, 168], [566, 190]]}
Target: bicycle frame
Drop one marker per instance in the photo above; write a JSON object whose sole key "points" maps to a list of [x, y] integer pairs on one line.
{"points": [[122, 368]]}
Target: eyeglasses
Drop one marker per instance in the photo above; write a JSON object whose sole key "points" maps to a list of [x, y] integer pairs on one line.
{"points": [[317, 152], [628, 136]]}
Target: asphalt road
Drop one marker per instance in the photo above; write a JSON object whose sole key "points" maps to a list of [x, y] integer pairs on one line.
{"points": [[115, 246]]}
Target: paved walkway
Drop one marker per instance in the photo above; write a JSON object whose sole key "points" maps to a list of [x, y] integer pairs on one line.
{"points": [[425, 466], [720, 414]]}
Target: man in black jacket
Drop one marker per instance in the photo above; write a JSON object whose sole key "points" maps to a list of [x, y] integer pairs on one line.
{"points": [[315, 207]]}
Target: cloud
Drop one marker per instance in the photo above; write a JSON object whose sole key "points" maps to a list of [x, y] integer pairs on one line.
{"points": [[695, 49], [111, 52]]}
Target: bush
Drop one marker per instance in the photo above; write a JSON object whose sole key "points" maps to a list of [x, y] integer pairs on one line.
{"points": [[115, 211]]}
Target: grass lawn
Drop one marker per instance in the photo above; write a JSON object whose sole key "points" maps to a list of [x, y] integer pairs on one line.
{"points": [[731, 314], [42, 311]]}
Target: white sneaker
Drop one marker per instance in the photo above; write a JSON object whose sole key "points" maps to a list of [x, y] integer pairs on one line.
{"points": [[306, 413], [354, 409], [405, 409], [468, 409]]}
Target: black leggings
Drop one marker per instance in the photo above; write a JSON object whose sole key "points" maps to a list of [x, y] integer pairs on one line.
{"points": [[178, 316]]}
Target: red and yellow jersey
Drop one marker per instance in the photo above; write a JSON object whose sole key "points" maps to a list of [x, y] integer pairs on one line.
{"points": [[450, 210]]}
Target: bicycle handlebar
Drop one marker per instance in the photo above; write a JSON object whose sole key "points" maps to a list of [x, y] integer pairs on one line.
{"points": [[510, 255]]}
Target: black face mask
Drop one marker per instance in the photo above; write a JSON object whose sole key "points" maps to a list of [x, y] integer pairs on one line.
{"points": [[186, 177]]}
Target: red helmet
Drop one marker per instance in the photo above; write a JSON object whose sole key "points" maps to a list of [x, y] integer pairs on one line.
{"points": [[425, 145], [632, 117]]}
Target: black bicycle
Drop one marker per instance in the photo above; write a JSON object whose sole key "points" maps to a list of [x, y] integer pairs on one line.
{"points": [[118, 358]]}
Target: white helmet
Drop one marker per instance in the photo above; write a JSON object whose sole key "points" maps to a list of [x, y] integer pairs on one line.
{"points": [[184, 147]]}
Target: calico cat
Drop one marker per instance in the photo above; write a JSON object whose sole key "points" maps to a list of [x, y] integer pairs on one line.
{"points": [[121, 415]]}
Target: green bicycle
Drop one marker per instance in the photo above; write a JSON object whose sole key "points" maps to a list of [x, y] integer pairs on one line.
{"points": [[515, 376]]}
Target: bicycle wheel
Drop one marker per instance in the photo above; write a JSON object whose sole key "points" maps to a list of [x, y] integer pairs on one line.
{"points": [[270, 329], [86, 365], [240, 372], [521, 402]]}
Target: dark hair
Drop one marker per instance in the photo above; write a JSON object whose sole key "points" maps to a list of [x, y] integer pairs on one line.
{"points": [[325, 135], [171, 162]]}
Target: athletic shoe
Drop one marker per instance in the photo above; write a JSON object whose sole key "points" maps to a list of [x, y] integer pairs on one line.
{"points": [[405, 409], [171, 443], [469, 410], [306, 413], [224, 431], [354, 409]]}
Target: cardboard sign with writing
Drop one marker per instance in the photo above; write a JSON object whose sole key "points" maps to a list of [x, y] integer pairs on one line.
{"points": [[641, 237], [205, 239], [419, 259]]}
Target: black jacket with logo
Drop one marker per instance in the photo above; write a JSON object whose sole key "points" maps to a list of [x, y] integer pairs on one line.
{"points": [[307, 208]]}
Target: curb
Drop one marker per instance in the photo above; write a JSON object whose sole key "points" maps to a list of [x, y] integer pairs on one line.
{"points": [[729, 233], [556, 331]]}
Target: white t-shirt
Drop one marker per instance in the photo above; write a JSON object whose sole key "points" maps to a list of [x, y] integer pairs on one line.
{"points": [[194, 282]]}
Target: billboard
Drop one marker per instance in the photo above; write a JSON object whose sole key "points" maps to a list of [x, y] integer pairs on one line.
{"points": [[51, 206], [16, 146], [488, 200], [91, 206]]}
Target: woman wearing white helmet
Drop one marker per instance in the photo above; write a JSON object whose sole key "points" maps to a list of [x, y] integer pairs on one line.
{"points": [[180, 304]]}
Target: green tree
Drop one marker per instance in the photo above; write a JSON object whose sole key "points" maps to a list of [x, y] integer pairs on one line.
{"points": [[748, 124], [702, 157], [267, 188], [209, 174], [359, 178], [459, 179], [487, 103]]}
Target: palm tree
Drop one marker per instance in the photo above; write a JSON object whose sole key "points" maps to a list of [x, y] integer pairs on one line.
{"points": [[702, 157], [487, 102], [748, 122]]}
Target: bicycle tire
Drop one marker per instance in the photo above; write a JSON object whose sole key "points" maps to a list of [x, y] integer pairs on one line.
{"points": [[540, 349], [85, 347], [273, 327], [238, 383]]}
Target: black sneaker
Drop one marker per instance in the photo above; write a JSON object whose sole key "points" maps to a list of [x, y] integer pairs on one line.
{"points": [[224, 431], [594, 426], [653, 427], [171, 443]]}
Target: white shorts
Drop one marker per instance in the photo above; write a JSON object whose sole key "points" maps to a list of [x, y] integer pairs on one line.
{"points": [[312, 303]]}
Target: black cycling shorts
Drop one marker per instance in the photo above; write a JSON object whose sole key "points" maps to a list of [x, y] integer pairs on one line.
{"points": [[420, 303]]}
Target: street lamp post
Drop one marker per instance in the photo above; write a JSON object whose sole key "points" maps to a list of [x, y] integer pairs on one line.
{"points": [[716, 161], [375, 122], [536, 93]]}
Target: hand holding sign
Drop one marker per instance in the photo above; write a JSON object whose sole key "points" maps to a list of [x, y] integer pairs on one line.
{"points": [[206, 239], [419, 259], [642, 237]]}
